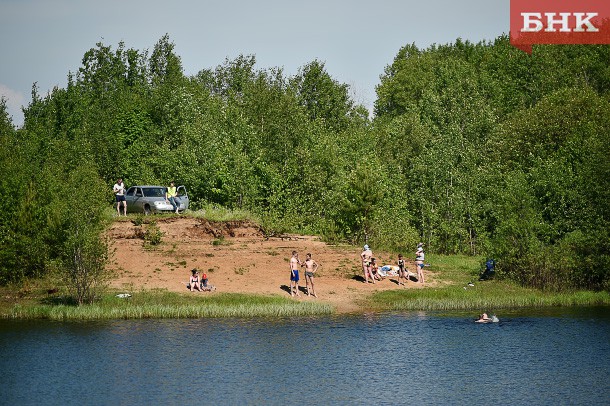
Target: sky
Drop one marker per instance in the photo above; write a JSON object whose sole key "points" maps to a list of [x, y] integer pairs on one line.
{"points": [[41, 41]]}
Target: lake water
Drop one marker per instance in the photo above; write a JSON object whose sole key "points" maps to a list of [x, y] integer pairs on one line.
{"points": [[545, 357]]}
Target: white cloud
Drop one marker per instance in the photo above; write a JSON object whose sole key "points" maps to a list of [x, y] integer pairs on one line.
{"points": [[14, 101]]}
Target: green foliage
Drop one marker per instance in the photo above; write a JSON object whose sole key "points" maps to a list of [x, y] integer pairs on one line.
{"points": [[476, 149], [323, 97], [513, 161], [550, 231], [162, 304], [152, 234], [84, 252]]}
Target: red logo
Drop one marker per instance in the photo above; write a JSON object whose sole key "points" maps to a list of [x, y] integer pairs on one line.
{"points": [[559, 22]]}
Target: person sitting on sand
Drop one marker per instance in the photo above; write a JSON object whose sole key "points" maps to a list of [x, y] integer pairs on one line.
{"points": [[205, 284], [375, 270], [194, 282]]}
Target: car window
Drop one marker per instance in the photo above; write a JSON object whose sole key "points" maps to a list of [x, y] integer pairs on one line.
{"points": [[139, 192], [181, 191], [131, 191], [154, 192]]}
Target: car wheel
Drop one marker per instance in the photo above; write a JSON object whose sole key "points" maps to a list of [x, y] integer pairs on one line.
{"points": [[147, 210]]}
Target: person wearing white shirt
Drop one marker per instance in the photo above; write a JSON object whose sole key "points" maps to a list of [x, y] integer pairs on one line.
{"points": [[119, 192]]}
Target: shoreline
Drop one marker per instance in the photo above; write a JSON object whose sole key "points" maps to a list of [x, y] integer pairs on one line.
{"points": [[251, 274], [164, 305]]}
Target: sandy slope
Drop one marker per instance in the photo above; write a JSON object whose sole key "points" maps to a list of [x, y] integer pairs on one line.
{"points": [[238, 258]]}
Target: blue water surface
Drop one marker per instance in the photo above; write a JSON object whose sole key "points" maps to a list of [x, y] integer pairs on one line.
{"points": [[550, 357]]}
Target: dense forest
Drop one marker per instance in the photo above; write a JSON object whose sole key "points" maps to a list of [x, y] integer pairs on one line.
{"points": [[477, 149]]}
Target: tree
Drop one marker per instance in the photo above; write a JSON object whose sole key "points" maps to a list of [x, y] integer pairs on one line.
{"points": [[324, 98], [164, 64], [84, 250]]}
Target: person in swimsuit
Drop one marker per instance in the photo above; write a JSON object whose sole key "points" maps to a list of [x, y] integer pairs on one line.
{"points": [[311, 267], [419, 262], [402, 270], [194, 282], [295, 263], [366, 257], [375, 270], [483, 318]]}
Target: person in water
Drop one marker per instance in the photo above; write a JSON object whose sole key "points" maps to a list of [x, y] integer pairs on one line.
{"points": [[483, 318]]}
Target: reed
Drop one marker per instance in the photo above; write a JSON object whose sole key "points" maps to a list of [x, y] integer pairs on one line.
{"points": [[159, 305], [487, 295]]}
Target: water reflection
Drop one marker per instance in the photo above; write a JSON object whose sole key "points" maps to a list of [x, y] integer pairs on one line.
{"points": [[542, 357]]}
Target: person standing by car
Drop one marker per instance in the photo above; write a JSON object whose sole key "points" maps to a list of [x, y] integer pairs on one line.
{"points": [[119, 192], [171, 196]]}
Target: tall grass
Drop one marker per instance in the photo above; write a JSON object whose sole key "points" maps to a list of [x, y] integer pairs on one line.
{"points": [[160, 304], [485, 295]]}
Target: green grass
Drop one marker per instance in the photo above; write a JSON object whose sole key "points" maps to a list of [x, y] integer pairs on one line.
{"points": [[217, 213], [208, 211], [487, 295], [163, 304], [453, 293]]}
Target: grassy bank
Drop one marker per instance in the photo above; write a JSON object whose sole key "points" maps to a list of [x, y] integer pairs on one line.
{"points": [[454, 292], [163, 304], [485, 296]]}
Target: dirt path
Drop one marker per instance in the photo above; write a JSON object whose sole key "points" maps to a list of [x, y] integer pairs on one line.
{"points": [[238, 258]]}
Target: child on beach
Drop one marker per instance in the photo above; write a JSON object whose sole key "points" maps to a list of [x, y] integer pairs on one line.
{"points": [[402, 270], [294, 273], [311, 267]]}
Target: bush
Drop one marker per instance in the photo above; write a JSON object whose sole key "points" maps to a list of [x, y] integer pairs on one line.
{"points": [[153, 234]]}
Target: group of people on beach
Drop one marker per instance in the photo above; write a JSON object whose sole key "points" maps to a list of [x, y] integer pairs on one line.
{"points": [[369, 266], [371, 269]]}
